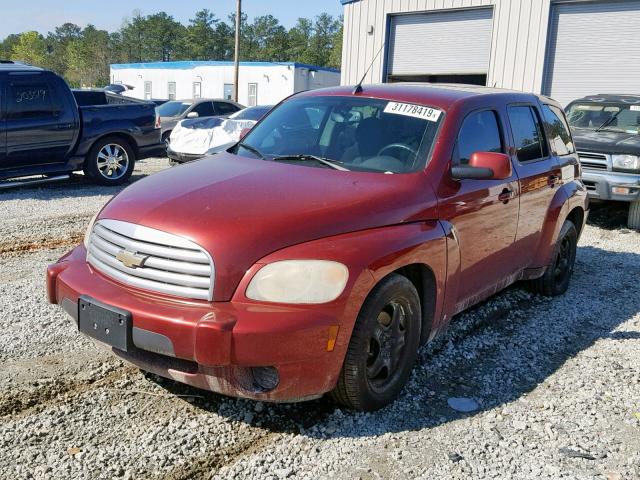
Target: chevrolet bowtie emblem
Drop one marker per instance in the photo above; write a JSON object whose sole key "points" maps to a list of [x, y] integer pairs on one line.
{"points": [[130, 259]]}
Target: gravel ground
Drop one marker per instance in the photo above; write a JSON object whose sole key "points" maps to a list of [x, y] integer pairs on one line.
{"points": [[556, 382]]}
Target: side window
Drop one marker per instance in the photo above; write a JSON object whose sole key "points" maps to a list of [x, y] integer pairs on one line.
{"points": [[479, 133], [204, 109], [558, 131], [224, 108], [527, 133], [31, 99]]}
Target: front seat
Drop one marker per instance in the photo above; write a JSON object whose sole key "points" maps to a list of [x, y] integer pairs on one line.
{"points": [[370, 138]]}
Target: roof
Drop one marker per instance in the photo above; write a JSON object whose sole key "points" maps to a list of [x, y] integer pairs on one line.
{"points": [[188, 64], [441, 95], [610, 98], [8, 65]]}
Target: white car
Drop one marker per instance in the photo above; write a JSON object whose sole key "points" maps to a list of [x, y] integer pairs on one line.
{"points": [[195, 138]]}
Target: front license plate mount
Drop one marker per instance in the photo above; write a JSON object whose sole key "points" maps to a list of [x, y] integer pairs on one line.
{"points": [[105, 323]]}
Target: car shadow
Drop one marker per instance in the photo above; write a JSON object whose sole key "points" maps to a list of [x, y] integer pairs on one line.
{"points": [[494, 353], [609, 215]]}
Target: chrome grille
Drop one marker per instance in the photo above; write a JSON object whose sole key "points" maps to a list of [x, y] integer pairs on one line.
{"points": [[594, 161], [168, 263]]}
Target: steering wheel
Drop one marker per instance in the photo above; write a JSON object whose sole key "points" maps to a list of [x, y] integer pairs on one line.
{"points": [[400, 146]]}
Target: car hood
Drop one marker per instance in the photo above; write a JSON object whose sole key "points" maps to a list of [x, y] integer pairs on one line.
{"points": [[606, 141], [241, 209]]}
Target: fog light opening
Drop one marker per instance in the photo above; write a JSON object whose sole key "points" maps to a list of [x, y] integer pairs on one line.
{"points": [[265, 378]]}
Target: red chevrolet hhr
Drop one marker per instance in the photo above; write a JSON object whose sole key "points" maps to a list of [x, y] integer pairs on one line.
{"points": [[344, 230]]}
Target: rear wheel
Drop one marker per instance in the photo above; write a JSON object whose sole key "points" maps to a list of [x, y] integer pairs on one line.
{"points": [[634, 215], [383, 346], [110, 161], [555, 280]]}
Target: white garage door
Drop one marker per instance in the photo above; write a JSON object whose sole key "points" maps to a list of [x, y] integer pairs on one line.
{"points": [[441, 43], [593, 48]]}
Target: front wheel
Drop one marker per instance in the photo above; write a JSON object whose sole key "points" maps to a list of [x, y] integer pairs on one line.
{"points": [[555, 280], [634, 215], [383, 346], [110, 161]]}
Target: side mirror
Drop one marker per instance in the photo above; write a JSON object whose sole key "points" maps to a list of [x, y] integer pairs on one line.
{"points": [[193, 115], [243, 132], [484, 165]]}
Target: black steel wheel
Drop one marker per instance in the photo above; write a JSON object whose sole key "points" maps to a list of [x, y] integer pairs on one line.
{"points": [[383, 346]]}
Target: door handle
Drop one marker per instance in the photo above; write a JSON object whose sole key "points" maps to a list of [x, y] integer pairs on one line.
{"points": [[506, 195], [553, 180], [64, 126]]}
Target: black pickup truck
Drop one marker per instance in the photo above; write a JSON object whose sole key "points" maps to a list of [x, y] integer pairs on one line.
{"points": [[49, 131]]}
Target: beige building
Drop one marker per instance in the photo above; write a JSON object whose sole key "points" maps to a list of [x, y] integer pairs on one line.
{"points": [[562, 48]]}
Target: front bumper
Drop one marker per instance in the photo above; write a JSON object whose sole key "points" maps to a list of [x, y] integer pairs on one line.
{"points": [[216, 346], [600, 185], [183, 157]]}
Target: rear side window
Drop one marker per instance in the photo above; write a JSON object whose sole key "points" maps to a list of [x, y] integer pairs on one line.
{"points": [[479, 133], [31, 100], [204, 109], [558, 131], [527, 133], [224, 108]]}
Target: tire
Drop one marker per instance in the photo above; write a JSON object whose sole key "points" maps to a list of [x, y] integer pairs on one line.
{"points": [[389, 321], [165, 138], [557, 276], [110, 161], [634, 215]]}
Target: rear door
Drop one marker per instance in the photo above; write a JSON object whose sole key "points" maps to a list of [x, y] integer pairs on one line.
{"points": [[539, 172], [484, 213], [38, 128]]}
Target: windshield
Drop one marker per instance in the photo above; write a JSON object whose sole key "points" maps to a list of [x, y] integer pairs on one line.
{"points": [[617, 117], [251, 113], [172, 109], [358, 133]]}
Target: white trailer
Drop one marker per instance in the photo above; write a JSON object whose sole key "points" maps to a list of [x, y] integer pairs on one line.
{"points": [[261, 83]]}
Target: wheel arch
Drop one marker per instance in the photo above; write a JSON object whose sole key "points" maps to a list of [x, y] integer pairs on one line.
{"points": [[424, 280], [121, 135]]}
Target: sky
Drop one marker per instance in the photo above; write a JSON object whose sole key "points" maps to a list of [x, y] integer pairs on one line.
{"points": [[45, 15]]}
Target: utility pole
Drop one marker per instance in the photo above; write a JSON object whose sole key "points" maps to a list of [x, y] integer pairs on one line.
{"points": [[236, 57]]}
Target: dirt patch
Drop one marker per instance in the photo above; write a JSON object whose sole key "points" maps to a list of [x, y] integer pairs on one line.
{"points": [[72, 240]]}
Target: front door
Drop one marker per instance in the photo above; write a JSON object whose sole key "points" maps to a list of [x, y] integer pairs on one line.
{"points": [[38, 130], [484, 214]]}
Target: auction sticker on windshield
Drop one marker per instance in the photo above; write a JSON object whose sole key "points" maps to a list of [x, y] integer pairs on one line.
{"points": [[411, 110]]}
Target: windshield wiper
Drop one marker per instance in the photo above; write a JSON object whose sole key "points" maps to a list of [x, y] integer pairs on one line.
{"points": [[335, 164], [252, 150], [609, 120]]}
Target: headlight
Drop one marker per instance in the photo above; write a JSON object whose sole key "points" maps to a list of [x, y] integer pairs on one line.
{"points": [[87, 234], [626, 162], [299, 281]]}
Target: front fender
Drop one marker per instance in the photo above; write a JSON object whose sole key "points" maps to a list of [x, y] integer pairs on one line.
{"points": [[370, 255]]}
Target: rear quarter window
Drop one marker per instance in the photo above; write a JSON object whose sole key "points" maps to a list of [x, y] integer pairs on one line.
{"points": [[558, 130]]}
